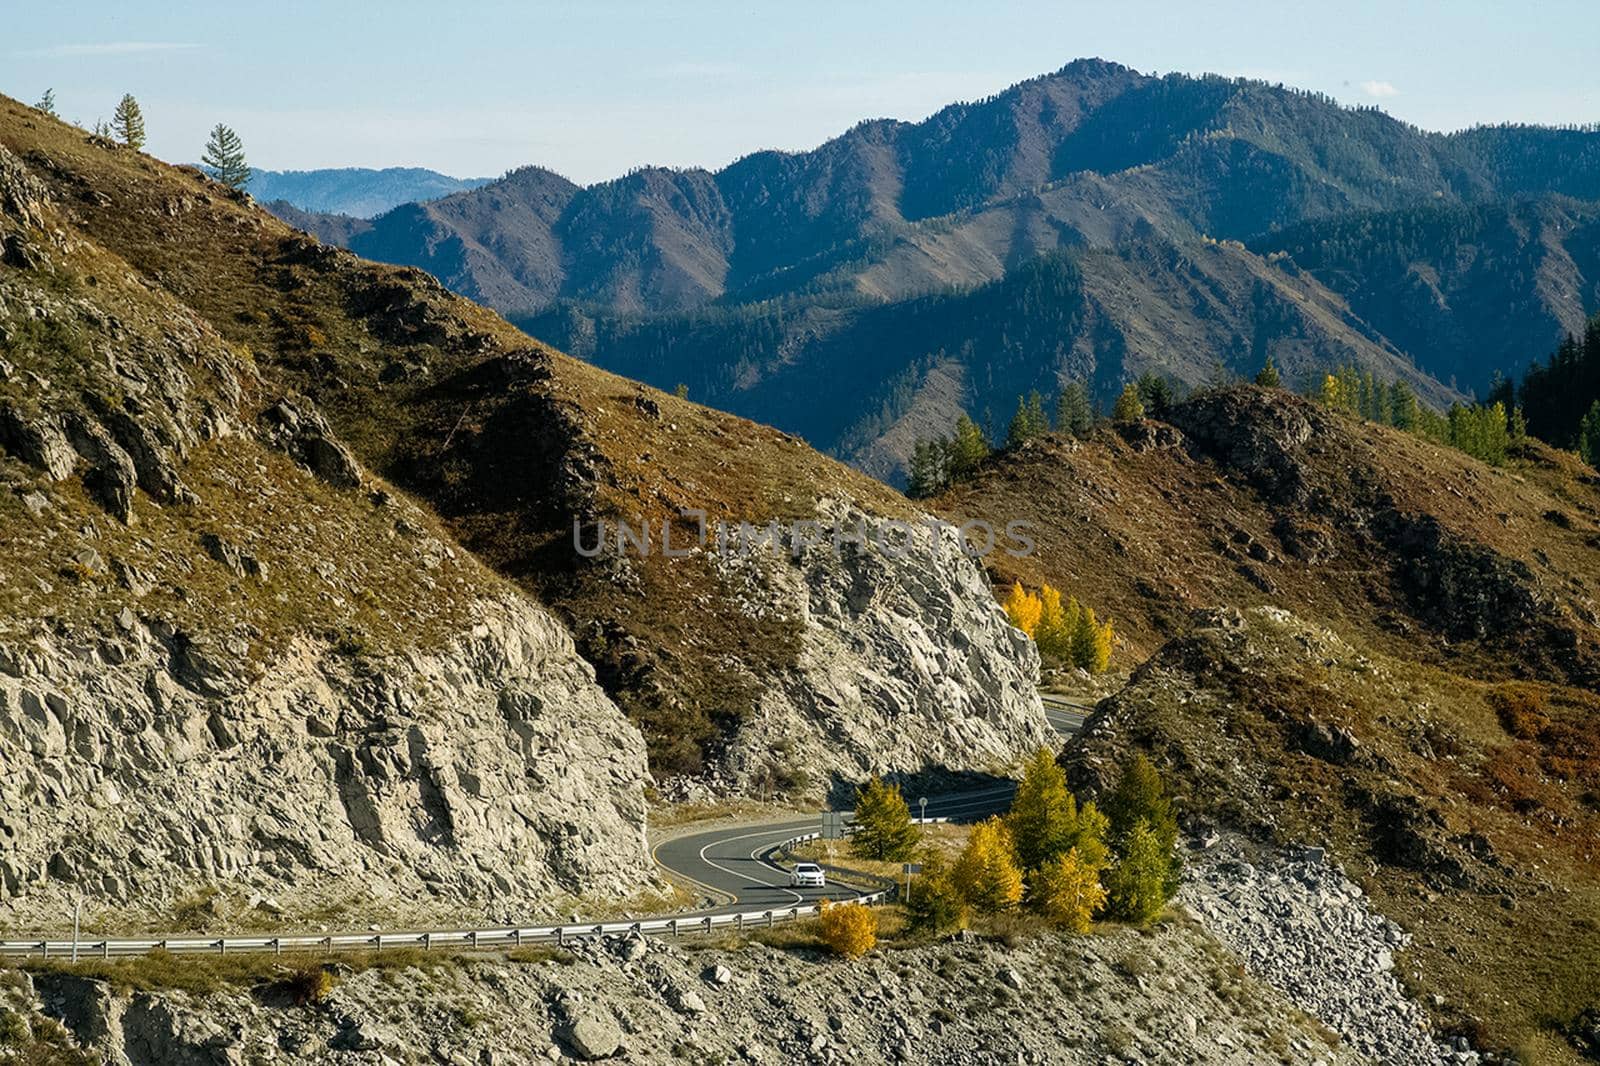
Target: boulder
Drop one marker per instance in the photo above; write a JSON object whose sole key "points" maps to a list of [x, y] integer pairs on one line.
{"points": [[241, 563], [153, 463], [592, 1036], [298, 428], [687, 1001]]}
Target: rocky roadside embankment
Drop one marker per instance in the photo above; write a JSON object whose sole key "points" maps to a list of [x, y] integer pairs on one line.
{"points": [[1165, 996], [1299, 924], [906, 664]]}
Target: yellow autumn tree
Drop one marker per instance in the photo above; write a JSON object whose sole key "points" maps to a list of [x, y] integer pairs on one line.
{"points": [[1329, 393], [849, 929], [1067, 633], [986, 873], [1053, 633], [1067, 891], [1100, 648], [1023, 608]]}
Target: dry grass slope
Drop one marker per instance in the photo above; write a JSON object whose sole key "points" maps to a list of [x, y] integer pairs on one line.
{"points": [[506, 440]]}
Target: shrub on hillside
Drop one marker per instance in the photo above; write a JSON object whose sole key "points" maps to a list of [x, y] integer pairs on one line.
{"points": [[849, 929], [1141, 797]]}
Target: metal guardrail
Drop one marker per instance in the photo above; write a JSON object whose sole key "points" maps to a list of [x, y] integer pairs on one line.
{"points": [[468, 939]]}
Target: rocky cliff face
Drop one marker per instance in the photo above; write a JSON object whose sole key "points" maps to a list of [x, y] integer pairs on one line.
{"points": [[241, 679], [149, 770], [905, 663], [352, 372]]}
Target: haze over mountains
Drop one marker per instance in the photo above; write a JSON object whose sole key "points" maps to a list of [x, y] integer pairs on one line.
{"points": [[1193, 220], [360, 192]]}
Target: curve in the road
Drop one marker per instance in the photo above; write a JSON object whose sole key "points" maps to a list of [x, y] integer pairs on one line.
{"points": [[737, 862]]}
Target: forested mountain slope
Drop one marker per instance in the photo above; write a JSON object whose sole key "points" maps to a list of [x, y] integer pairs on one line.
{"points": [[1467, 291], [360, 192], [746, 284]]}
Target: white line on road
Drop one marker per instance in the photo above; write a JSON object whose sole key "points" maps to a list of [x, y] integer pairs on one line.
{"points": [[745, 877]]}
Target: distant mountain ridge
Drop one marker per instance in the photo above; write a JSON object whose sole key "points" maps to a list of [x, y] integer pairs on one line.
{"points": [[360, 192], [1172, 196], [1076, 157]]}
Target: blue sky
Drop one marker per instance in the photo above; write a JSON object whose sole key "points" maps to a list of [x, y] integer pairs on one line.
{"points": [[591, 88]]}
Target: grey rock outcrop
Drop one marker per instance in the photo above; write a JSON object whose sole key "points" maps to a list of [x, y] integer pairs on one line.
{"points": [[907, 664], [414, 785], [1251, 433], [37, 441], [151, 455], [296, 427], [22, 195], [112, 476]]}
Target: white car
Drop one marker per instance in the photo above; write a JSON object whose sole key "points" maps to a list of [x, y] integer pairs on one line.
{"points": [[807, 875]]}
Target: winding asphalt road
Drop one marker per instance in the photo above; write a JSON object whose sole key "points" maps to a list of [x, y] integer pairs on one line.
{"points": [[738, 861]]}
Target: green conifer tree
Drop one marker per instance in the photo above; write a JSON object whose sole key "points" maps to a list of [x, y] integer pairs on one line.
{"points": [[47, 103], [1589, 436], [936, 903], [1029, 421], [1135, 884], [926, 474], [883, 826], [1074, 414], [224, 156], [1403, 413], [1156, 394], [1268, 378], [1141, 797], [128, 122]]}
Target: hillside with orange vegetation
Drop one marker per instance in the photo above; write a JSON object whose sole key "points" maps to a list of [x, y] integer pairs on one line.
{"points": [[1344, 635], [1249, 497]]}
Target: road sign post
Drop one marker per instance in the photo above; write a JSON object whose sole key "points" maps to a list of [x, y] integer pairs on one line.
{"points": [[923, 805], [908, 869]]}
